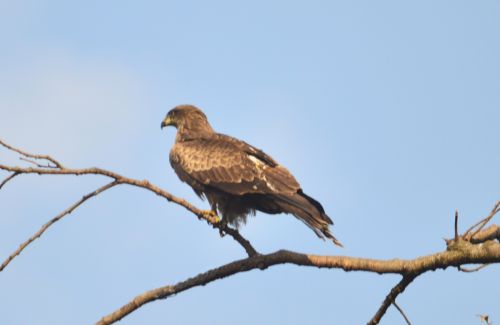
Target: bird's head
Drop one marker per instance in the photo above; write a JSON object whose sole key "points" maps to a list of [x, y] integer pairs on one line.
{"points": [[187, 119], [180, 116]]}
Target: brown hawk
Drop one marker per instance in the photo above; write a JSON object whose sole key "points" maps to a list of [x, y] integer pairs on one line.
{"points": [[236, 178]]}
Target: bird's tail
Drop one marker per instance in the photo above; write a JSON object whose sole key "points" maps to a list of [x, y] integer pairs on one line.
{"points": [[309, 211]]}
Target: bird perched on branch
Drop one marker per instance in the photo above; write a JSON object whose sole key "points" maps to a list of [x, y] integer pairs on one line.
{"points": [[236, 178]]}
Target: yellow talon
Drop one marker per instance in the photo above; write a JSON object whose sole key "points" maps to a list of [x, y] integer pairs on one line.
{"points": [[212, 216]]}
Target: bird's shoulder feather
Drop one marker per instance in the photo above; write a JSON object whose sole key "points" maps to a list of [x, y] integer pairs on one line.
{"points": [[230, 165]]}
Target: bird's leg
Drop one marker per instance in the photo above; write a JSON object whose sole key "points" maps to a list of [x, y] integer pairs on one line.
{"points": [[213, 205], [222, 225]]}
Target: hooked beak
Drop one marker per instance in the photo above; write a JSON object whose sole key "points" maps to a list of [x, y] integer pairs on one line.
{"points": [[166, 122]]}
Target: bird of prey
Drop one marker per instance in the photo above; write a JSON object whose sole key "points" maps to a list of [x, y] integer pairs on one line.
{"points": [[236, 178]]}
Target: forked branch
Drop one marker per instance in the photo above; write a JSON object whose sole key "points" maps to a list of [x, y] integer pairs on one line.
{"points": [[410, 269], [59, 169], [34, 156], [391, 298]]}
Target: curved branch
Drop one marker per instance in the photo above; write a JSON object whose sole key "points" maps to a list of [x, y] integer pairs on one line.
{"points": [[480, 225], [240, 239], [122, 179], [54, 220], [145, 184], [9, 178], [402, 313], [468, 254], [34, 156]]}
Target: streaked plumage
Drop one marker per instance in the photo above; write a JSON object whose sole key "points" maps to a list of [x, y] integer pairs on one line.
{"points": [[236, 178]]}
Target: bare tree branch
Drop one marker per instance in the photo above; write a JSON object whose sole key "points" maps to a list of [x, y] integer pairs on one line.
{"points": [[202, 214], [240, 239], [468, 254], [9, 178], [61, 170], [48, 165], [402, 313], [480, 225], [493, 212], [30, 155], [476, 246], [490, 233], [54, 220], [391, 297]]}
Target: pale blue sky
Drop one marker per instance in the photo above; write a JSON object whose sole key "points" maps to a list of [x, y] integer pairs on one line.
{"points": [[387, 112]]}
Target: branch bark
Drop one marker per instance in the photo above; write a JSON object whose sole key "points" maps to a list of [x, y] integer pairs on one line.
{"points": [[467, 254]]}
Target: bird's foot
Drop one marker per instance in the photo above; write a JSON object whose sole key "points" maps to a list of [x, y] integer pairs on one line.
{"points": [[211, 216], [216, 221]]}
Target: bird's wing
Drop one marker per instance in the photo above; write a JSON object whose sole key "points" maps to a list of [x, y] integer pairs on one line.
{"points": [[248, 149], [230, 165]]}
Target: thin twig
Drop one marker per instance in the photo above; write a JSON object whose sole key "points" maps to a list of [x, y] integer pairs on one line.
{"points": [[31, 162], [466, 270], [493, 212], [37, 164], [456, 225], [9, 178], [30, 155], [480, 224], [401, 312], [54, 220], [391, 297]]}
